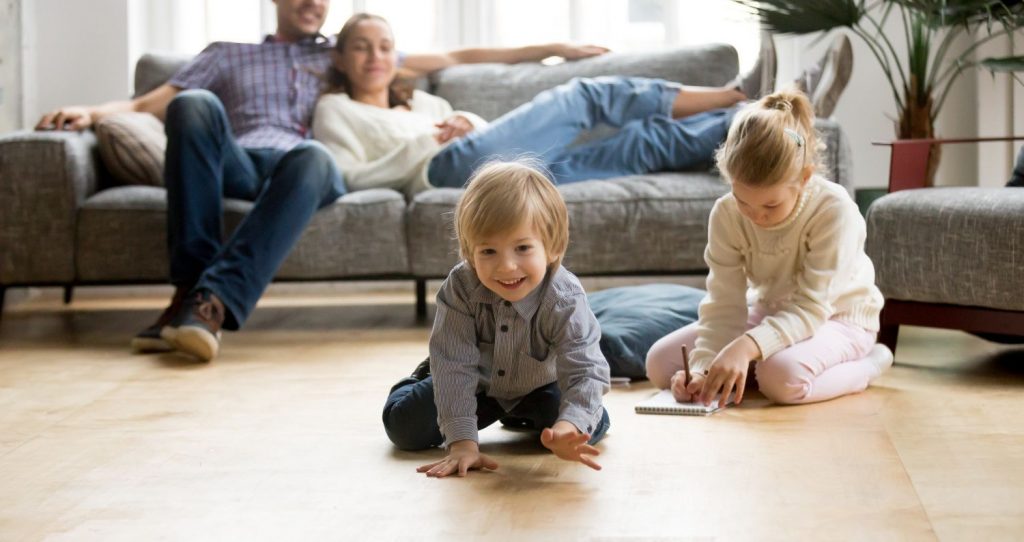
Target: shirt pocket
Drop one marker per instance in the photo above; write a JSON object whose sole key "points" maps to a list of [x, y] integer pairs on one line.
{"points": [[527, 360], [537, 372]]}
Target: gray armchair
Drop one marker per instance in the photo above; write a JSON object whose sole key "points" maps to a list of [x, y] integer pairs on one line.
{"points": [[946, 257]]}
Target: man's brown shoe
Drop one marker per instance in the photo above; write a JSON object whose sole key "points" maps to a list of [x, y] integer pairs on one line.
{"points": [[195, 330], [149, 340]]}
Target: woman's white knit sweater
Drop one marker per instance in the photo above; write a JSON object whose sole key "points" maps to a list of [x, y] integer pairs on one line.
{"points": [[377, 147], [801, 273]]}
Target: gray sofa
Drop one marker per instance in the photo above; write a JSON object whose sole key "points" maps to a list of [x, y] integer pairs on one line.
{"points": [[62, 223]]}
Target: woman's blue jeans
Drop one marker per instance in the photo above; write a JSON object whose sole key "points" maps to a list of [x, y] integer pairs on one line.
{"points": [[648, 139], [204, 165]]}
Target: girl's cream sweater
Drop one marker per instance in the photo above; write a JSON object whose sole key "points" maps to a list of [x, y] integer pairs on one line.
{"points": [[800, 273]]}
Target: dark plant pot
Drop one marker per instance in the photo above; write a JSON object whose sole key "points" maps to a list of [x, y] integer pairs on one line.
{"points": [[866, 196]]}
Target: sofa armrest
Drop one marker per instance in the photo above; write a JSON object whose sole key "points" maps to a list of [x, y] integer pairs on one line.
{"points": [[44, 177], [838, 158]]}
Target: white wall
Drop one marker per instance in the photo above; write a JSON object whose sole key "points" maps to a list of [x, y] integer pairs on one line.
{"points": [[867, 110], [1000, 113], [75, 53], [10, 65]]}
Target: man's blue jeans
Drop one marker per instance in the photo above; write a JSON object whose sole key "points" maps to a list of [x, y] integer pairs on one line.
{"points": [[204, 165], [410, 415], [648, 139]]}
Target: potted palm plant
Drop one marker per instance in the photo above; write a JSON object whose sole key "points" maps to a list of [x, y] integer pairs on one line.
{"points": [[920, 78]]}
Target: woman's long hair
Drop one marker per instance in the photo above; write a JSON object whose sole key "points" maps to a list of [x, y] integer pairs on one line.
{"points": [[399, 92]]}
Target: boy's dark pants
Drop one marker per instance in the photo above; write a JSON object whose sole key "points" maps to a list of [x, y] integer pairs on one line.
{"points": [[410, 415]]}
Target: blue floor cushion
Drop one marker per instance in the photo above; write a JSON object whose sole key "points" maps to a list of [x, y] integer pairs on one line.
{"points": [[632, 318]]}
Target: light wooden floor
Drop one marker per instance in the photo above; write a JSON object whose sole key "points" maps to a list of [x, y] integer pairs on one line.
{"points": [[280, 439]]}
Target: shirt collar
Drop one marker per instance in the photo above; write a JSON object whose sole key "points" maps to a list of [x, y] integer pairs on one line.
{"points": [[315, 39], [526, 307]]}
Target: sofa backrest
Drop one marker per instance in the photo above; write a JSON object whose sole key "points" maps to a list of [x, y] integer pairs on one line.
{"points": [[155, 69], [490, 90]]}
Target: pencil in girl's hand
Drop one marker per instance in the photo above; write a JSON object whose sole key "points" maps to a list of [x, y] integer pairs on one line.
{"points": [[686, 367]]}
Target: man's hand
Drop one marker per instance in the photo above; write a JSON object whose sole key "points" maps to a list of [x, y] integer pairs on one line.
{"points": [[453, 127], [569, 51], [729, 371], [66, 118], [569, 444], [463, 456]]}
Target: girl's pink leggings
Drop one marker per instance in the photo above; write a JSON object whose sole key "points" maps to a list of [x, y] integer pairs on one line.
{"points": [[830, 364]]}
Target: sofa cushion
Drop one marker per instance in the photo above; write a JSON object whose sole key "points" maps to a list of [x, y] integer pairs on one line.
{"points": [[491, 90], [132, 147], [962, 246], [633, 318], [122, 237], [654, 223]]}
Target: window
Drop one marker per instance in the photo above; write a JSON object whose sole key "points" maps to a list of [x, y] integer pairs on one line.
{"points": [[524, 22], [432, 25], [627, 25], [414, 23]]}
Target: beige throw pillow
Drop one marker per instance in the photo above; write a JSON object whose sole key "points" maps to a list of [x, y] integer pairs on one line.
{"points": [[132, 147]]}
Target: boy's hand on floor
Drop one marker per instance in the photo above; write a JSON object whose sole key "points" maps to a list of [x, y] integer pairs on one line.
{"points": [[463, 456], [569, 444]]}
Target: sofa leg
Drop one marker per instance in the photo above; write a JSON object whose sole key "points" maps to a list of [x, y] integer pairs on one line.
{"points": [[888, 335], [69, 292], [421, 299]]}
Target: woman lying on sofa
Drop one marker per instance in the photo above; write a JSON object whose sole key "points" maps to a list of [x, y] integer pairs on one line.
{"points": [[385, 137]]}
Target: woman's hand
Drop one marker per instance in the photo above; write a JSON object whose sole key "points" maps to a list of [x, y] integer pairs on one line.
{"points": [[569, 444], [729, 371], [463, 456], [66, 118], [684, 393], [453, 127], [569, 51]]}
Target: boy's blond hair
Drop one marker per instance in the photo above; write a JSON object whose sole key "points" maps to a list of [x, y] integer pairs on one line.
{"points": [[500, 197], [771, 141]]}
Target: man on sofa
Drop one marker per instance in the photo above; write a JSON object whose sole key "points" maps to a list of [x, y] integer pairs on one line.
{"points": [[237, 119]]}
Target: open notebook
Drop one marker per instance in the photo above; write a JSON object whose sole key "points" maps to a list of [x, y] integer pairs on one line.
{"points": [[663, 403]]}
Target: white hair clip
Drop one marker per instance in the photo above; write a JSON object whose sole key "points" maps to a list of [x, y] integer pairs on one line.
{"points": [[799, 139]]}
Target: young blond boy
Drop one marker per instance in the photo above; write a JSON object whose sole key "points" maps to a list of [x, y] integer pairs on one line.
{"points": [[514, 338]]}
